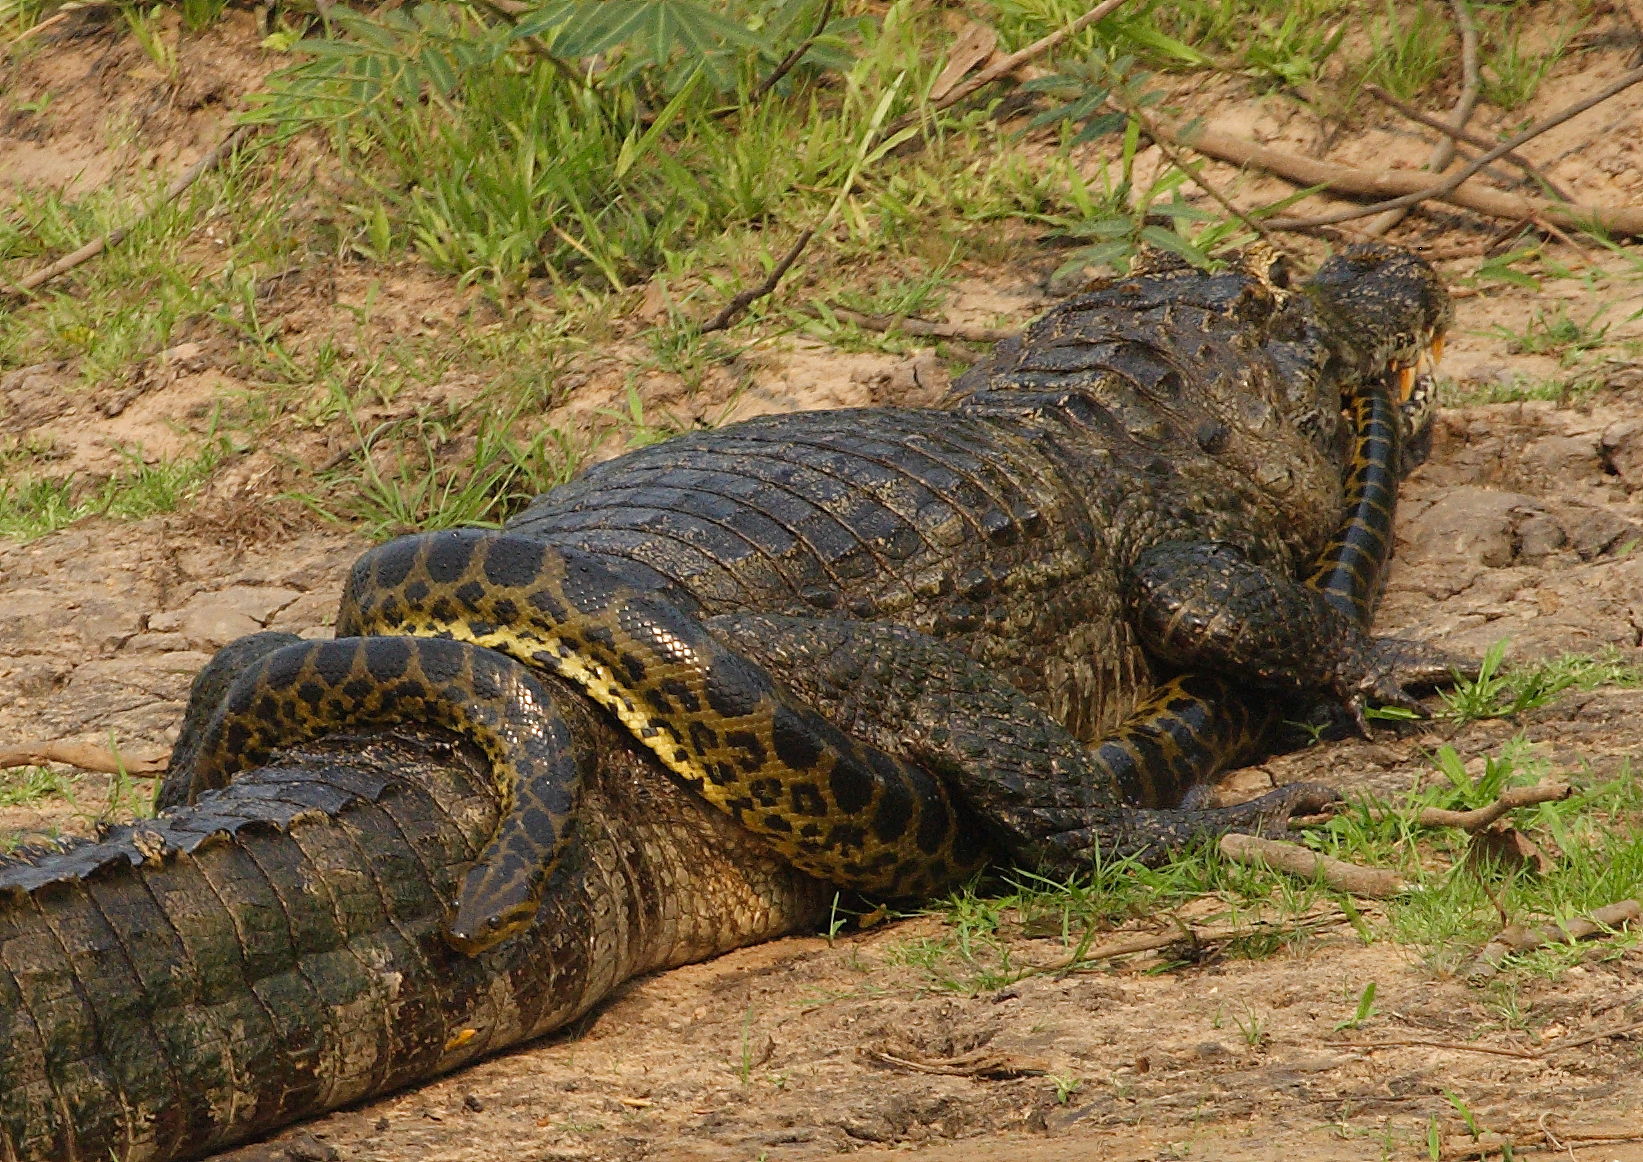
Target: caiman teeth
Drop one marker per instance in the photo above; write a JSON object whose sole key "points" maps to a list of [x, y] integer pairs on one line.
{"points": [[1421, 369], [1406, 380]]}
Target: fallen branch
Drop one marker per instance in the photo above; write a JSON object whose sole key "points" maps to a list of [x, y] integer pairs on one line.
{"points": [[1447, 189], [1476, 140], [31, 282], [1295, 860], [1510, 799], [786, 64], [1469, 821], [1413, 186], [87, 756], [911, 326], [1459, 114], [729, 313], [1605, 921]]}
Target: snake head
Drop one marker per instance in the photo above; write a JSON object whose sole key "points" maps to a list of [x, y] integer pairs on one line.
{"points": [[493, 906]]}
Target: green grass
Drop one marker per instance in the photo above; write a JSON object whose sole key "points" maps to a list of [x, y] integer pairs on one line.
{"points": [[1593, 838], [1501, 692], [33, 505], [1411, 46], [1560, 389], [1510, 71], [26, 786], [428, 473], [1556, 333]]}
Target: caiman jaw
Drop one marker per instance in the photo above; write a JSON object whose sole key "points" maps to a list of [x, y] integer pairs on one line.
{"points": [[1415, 382], [1414, 378]]}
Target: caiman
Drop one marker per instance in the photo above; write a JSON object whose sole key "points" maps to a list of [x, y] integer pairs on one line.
{"points": [[886, 644]]}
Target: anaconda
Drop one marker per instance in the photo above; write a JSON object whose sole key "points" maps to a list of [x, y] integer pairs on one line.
{"points": [[1128, 489]]}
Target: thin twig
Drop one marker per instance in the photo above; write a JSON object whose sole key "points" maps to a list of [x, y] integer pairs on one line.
{"points": [[1006, 65], [1588, 1038], [1459, 1046], [1450, 184], [733, 309], [1469, 821], [1509, 800], [1183, 933], [1525, 1054], [57, 17], [793, 58], [1345, 179], [1444, 152], [910, 326], [175, 190], [1476, 140], [744, 298]]}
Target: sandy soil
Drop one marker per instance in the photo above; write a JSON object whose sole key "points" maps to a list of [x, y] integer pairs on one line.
{"points": [[1523, 526]]}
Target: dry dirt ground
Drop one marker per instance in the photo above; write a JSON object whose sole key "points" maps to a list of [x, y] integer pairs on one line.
{"points": [[1523, 526]]}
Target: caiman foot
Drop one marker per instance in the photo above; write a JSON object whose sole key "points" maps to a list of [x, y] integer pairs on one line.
{"points": [[1391, 669], [1155, 835]]}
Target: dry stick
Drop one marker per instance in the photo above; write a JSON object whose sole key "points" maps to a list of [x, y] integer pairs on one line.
{"points": [[1476, 140], [1605, 920], [793, 58], [1510, 799], [1469, 821], [1006, 65], [1444, 153], [1292, 858], [1447, 189], [1501, 1051], [911, 326], [745, 298], [1588, 1038], [96, 246], [87, 756], [1460, 1046]]}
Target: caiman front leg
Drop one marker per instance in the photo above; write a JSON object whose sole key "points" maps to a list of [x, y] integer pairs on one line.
{"points": [[1207, 606]]}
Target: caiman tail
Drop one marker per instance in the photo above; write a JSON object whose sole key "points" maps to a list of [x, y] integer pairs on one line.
{"points": [[276, 950]]}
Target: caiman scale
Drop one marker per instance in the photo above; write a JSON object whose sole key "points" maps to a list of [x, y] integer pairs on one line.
{"points": [[886, 644]]}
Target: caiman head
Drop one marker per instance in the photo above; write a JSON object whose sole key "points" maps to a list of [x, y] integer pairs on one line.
{"points": [[1384, 313]]}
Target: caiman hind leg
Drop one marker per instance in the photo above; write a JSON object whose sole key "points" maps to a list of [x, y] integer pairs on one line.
{"points": [[273, 690], [854, 814], [1046, 799]]}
